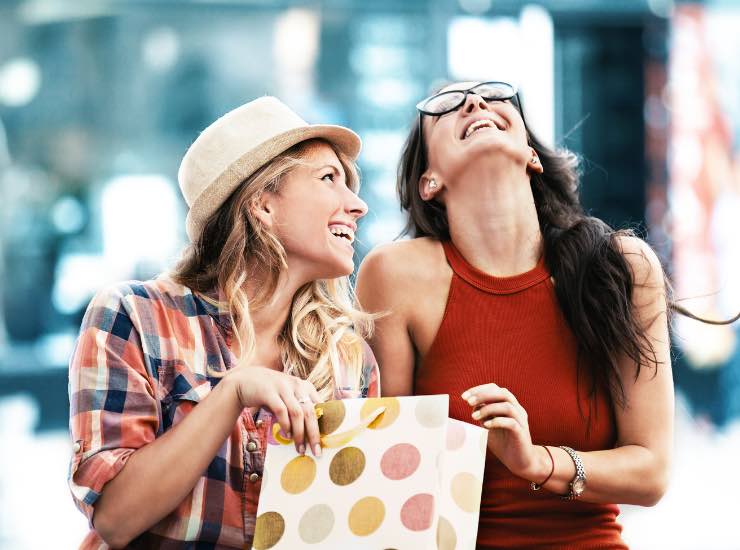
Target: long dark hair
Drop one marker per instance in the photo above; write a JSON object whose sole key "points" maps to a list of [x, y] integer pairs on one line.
{"points": [[593, 281]]}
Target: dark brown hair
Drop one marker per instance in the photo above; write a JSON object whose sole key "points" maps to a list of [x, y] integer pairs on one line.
{"points": [[593, 281]]}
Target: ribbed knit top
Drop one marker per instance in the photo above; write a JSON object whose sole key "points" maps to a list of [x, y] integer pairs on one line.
{"points": [[510, 330]]}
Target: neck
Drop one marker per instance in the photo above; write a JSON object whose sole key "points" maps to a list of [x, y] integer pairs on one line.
{"points": [[270, 319], [493, 221]]}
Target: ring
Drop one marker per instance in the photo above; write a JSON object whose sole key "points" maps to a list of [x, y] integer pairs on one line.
{"points": [[304, 399]]}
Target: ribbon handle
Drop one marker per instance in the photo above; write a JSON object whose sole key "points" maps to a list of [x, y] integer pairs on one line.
{"points": [[332, 441]]}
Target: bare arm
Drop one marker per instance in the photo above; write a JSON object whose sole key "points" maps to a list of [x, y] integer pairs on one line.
{"points": [[380, 289], [636, 471], [149, 476]]}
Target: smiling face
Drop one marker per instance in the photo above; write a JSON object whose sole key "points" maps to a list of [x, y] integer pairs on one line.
{"points": [[314, 215], [477, 134]]}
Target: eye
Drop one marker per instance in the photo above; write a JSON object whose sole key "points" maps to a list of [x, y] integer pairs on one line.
{"points": [[330, 175]]}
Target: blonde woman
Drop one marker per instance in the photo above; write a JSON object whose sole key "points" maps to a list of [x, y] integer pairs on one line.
{"points": [[175, 382]]}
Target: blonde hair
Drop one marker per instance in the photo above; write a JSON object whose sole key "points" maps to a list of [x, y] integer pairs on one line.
{"points": [[323, 336]]}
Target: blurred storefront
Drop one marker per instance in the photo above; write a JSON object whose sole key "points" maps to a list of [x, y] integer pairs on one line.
{"points": [[100, 99]]}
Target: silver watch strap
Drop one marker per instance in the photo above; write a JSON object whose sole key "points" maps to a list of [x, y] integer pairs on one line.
{"points": [[580, 471]]}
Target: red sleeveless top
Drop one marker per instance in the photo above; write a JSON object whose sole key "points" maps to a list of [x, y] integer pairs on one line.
{"points": [[510, 330]]}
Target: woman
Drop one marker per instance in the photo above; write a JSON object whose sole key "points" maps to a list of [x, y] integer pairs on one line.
{"points": [[543, 324], [175, 382]]}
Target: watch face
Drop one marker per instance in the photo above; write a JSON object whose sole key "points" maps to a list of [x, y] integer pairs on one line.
{"points": [[579, 485]]}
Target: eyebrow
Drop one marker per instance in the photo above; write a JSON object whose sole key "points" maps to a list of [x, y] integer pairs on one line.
{"points": [[333, 167]]}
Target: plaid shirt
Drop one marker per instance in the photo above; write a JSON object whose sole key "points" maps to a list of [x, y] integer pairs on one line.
{"points": [[138, 368]]}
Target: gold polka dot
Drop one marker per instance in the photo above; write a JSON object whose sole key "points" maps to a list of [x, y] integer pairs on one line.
{"points": [[316, 524], [446, 537], [366, 516], [347, 465], [268, 530], [392, 410], [332, 416], [298, 474], [466, 489], [430, 414]]}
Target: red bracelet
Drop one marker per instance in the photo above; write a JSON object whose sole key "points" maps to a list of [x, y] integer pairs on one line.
{"points": [[538, 486]]}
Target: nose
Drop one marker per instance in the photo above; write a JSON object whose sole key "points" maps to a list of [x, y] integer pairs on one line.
{"points": [[355, 206], [474, 102]]}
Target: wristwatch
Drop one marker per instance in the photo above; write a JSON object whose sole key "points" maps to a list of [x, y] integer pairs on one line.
{"points": [[578, 484]]}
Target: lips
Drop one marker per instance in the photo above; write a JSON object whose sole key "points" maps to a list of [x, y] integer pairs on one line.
{"points": [[480, 123]]}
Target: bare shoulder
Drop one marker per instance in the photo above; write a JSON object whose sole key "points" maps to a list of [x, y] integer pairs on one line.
{"points": [[642, 259], [407, 260]]}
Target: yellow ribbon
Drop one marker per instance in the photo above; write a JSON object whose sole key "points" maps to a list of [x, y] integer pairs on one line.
{"points": [[332, 441]]}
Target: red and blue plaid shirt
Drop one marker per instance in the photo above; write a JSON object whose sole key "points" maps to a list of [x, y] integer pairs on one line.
{"points": [[139, 367]]}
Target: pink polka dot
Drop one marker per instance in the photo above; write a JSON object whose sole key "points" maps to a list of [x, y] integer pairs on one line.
{"points": [[417, 512], [455, 435], [400, 461]]}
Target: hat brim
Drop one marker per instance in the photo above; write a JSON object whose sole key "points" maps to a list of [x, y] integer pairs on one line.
{"points": [[214, 195]]}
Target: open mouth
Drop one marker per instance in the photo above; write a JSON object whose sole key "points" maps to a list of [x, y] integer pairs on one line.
{"points": [[481, 124], [343, 233]]}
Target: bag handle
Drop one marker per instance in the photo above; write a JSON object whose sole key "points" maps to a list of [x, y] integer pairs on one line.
{"points": [[332, 441]]}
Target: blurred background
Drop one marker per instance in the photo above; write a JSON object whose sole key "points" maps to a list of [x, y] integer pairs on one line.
{"points": [[100, 99]]}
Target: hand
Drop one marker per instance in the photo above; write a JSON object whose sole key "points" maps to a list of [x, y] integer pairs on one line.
{"points": [[508, 429], [290, 399]]}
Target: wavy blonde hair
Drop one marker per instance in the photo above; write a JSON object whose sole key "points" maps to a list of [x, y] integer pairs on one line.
{"points": [[323, 336]]}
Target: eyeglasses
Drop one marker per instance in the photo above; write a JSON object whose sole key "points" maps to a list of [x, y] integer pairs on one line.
{"points": [[451, 100], [446, 102]]}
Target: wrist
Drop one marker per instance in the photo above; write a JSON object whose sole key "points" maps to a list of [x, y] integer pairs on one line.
{"points": [[540, 465], [231, 389]]}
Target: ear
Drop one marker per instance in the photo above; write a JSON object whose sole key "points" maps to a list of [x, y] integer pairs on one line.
{"points": [[429, 186], [263, 208], [534, 164]]}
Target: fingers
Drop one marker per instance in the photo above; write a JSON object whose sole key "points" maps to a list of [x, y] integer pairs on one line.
{"points": [[491, 400], [308, 397], [488, 393], [280, 412], [503, 423], [297, 422], [503, 409]]}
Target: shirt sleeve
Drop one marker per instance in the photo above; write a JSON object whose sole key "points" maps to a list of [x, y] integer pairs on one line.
{"points": [[370, 373], [113, 404]]}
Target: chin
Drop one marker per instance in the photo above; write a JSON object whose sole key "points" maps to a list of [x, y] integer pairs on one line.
{"points": [[333, 268]]}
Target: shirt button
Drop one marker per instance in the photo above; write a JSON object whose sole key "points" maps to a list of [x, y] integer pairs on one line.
{"points": [[254, 478], [252, 446], [77, 447]]}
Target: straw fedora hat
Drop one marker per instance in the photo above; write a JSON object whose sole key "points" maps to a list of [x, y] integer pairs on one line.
{"points": [[237, 145]]}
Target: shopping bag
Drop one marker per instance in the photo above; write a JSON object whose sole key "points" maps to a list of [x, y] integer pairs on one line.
{"points": [[392, 472]]}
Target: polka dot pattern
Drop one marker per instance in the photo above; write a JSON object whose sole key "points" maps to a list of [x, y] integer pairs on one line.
{"points": [[298, 475], [346, 466], [316, 524], [417, 513], [380, 483], [455, 436], [269, 529], [466, 489], [446, 536], [332, 416], [429, 415], [366, 516], [400, 461], [392, 410]]}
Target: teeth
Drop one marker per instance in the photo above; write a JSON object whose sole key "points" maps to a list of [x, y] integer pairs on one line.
{"points": [[477, 125], [343, 232]]}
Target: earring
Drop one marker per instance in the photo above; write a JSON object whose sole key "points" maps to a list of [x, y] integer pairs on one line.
{"points": [[535, 160], [432, 184]]}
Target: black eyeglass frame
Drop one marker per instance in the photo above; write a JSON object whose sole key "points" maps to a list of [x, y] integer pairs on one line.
{"points": [[420, 106]]}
